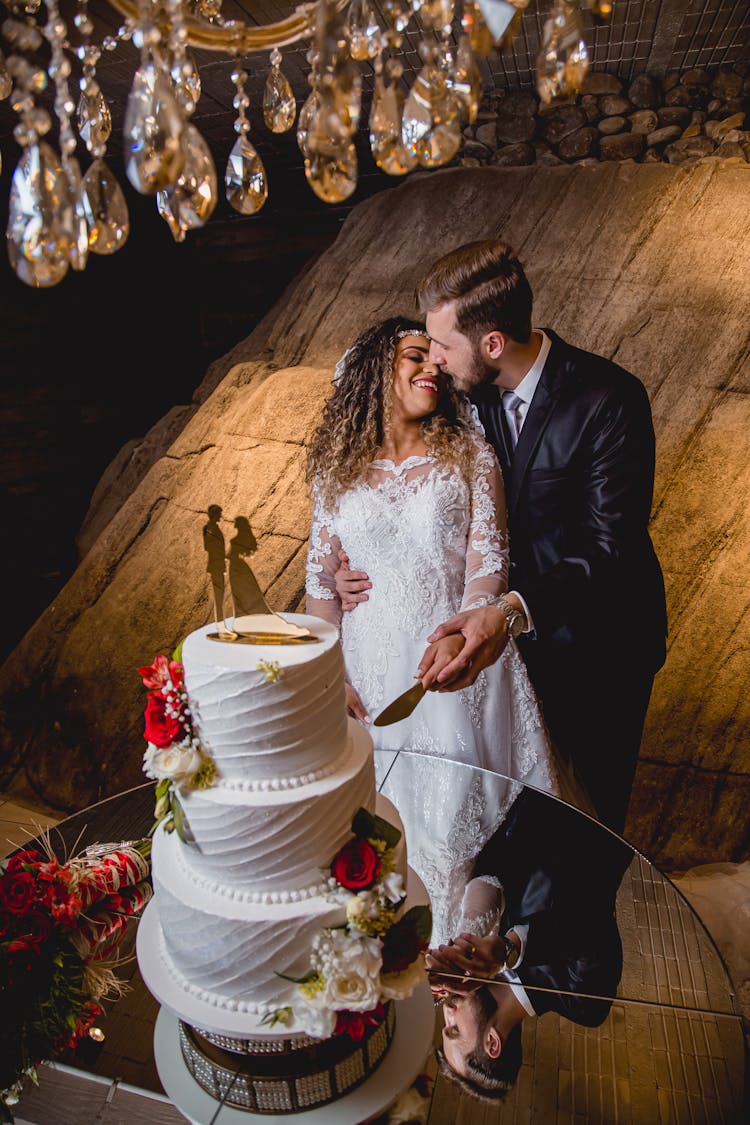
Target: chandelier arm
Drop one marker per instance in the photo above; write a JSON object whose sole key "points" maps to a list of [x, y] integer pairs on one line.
{"points": [[240, 39]]}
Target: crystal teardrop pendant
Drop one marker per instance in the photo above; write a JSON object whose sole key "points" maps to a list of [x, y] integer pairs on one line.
{"points": [[502, 19], [79, 245], [431, 127], [306, 115], [187, 83], [364, 30], [192, 199], [386, 141], [475, 26], [333, 178], [6, 82], [466, 82], [279, 106], [40, 218], [245, 179], [106, 210], [563, 62], [154, 124], [94, 120], [437, 14]]}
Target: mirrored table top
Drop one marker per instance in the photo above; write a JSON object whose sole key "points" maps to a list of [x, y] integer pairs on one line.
{"points": [[630, 1014]]}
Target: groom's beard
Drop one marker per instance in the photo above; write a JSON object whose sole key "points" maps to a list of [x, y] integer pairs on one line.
{"points": [[475, 373]]}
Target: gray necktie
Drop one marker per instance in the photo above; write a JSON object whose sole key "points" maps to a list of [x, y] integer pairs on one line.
{"points": [[512, 404]]}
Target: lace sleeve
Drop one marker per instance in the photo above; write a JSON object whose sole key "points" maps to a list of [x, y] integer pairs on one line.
{"points": [[322, 564], [482, 906], [487, 559]]}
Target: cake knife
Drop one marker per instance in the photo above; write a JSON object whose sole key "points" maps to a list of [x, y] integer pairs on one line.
{"points": [[401, 708]]}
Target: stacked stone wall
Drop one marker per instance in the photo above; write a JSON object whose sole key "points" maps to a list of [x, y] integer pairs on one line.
{"points": [[682, 117]]}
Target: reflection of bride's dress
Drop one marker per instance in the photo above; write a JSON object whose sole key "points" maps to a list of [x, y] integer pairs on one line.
{"points": [[433, 544]]}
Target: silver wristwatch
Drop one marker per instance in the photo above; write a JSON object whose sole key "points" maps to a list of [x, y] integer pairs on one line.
{"points": [[516, 620]]}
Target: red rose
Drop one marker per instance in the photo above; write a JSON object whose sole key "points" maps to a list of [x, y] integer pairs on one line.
{"points": [[357, 865], [401, 946], [161, 729], [355, 1024], [158, 674], [17, 891], [16, 861]]}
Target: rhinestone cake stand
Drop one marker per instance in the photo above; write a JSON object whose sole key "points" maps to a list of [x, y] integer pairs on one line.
{"points": [[218, 1074]]}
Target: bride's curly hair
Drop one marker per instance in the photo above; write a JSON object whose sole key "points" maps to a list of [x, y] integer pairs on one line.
{"points": [[355, 416]]}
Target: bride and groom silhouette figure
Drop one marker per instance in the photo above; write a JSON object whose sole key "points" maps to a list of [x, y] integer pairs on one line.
{"points": [[246, 595]]}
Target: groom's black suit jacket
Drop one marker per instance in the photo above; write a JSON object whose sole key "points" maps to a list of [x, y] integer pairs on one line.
{"points": [[578, 492], [579, 487], [560, 873]]}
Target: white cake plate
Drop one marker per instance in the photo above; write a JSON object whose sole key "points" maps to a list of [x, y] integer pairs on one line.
{"points": [[415, 1023], [193, 1009]]}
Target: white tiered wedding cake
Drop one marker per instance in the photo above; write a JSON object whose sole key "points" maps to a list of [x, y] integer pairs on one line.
{"points": [[279, 915]]}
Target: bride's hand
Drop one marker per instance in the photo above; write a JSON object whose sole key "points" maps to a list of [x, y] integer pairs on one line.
{"points": [[437, 657], [354, 705], [485, 633]]}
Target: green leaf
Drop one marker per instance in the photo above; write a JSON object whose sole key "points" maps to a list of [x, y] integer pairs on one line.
{"points": [[177, 654], [375, 828], [180, 820], [162, 788], [421, 918], [299, 980]]}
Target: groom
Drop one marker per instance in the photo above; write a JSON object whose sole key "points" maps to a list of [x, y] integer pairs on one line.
{"points": [[575, 440], [557, 946]]}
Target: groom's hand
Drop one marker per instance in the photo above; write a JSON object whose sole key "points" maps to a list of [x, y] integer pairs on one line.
{"points": [[485, 632], [350, 584]]}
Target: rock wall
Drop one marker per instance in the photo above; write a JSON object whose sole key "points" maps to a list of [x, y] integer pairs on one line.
{"points": [[648, 265]]}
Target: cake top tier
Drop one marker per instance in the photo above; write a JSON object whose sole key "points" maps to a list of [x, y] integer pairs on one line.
{"points": [[198, 648], [268, 714]]}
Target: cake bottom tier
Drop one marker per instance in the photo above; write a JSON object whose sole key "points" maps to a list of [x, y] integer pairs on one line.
{"points": [[232, 954], [298, 1074]]}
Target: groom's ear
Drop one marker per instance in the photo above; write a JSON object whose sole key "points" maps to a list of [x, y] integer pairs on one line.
{"points": [[492, 345], [493, 1044]]}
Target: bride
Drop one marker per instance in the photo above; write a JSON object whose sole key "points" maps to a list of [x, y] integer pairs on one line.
{"points": [[404, 482]]}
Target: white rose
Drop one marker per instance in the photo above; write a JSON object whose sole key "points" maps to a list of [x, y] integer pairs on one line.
{"points": [[357, 992], [177, 762], [315, 1021], [393, 886], [359, 953], [397, 986]]}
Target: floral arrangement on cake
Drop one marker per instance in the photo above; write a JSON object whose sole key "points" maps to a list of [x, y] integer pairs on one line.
{"points": [[173, 757], [375, 955], [60, 926]]}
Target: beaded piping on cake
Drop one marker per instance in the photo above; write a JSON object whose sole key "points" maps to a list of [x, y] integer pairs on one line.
{"points": [[278, 784], [258, 1046], [256, 898], [212, 998]]}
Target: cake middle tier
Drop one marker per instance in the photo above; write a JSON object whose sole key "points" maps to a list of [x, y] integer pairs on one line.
{"points": [[270, 846]]}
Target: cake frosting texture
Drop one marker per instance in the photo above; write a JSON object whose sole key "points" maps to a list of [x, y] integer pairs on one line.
{"points": [[265, 732]]}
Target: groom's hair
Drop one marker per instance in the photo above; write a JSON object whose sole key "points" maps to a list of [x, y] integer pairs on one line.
{"points": [[488, 284], [486, 1079]]}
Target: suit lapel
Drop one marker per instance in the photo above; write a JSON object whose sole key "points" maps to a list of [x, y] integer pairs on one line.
{"points": [[537, 418]]}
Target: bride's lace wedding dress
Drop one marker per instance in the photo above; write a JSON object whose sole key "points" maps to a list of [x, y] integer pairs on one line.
{"points": [[433, 544]]}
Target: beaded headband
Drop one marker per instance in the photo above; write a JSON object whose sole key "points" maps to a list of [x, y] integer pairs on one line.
{"points": [[402, 332]]}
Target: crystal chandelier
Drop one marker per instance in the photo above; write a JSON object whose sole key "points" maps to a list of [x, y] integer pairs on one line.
{"points": [[58, 214]]}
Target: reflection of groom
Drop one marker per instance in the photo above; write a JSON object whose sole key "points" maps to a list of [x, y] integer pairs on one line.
{"points": [[575, 440], [559, 873]]}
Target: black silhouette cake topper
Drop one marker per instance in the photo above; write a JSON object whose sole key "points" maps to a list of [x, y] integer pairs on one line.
{"points": [[253, 621]]}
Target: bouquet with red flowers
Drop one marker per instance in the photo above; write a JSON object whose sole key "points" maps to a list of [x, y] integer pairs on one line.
{"points": [[173, 758], [60, 925], [374, 955]]}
